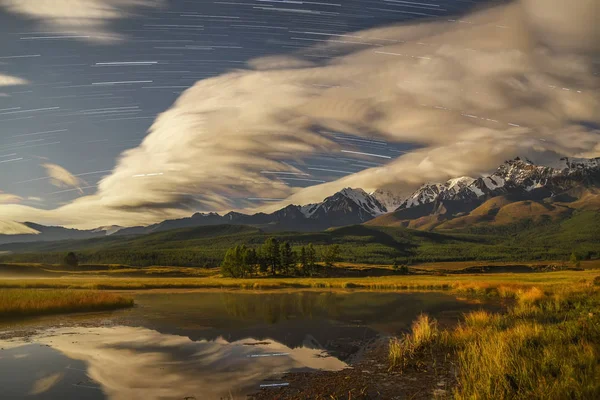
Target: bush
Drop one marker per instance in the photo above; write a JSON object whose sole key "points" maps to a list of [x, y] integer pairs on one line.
{"points": [[71, 260]]}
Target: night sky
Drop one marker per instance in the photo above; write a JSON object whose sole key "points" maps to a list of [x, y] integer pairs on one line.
{"points": [[130, 112], [88, 100]]}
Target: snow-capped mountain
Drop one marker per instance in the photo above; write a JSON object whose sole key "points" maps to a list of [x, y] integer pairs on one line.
{"points": [[425, 194], [516, 180], [388, 199], [346, 207], [516, 176], [108, 230]]}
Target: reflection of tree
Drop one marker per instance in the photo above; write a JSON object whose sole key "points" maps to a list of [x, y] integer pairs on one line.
{"points": [[275, 307]]}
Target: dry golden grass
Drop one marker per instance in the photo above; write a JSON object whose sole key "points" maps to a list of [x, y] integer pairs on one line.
{"points": [[25, 302], [424, 332], [547, 346], [501, 284]]}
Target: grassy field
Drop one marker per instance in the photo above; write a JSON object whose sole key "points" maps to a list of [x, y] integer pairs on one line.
{"points": [[16, 303], [547, 346], [479, 284]]}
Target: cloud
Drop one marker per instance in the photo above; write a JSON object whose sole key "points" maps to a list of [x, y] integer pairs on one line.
{"points": [[89, 19], [62, 178], [16, 228], [7, 198], [466, 94], [7, 80]]}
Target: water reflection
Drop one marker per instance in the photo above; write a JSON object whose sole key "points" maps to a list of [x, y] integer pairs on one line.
{"points": [[205, 345], [138, 363]]}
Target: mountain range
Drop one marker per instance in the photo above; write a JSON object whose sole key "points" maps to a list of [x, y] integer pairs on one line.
{"points": [[518, 189]]}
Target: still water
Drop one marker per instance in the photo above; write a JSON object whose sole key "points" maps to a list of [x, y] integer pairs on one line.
{"points": [[203, 345]]}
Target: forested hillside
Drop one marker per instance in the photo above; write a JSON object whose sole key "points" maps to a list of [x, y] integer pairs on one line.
{"points": [[525, 240]]}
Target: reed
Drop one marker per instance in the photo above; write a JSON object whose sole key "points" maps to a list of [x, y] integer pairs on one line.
{"points": [[16, 303]]}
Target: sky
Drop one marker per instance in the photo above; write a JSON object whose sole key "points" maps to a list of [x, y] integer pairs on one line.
{"points": [[129, 112]]}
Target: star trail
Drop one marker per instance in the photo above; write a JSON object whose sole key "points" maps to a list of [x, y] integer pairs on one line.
{"points": [[88, 101]]}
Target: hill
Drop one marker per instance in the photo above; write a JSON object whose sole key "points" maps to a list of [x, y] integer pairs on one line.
{"points": [[524, 239]]}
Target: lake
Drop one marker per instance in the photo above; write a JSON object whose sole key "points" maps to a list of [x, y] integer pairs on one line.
{"points": [[204, 345]]}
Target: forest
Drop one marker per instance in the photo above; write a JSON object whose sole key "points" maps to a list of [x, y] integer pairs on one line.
{"points": [[208, 246]]}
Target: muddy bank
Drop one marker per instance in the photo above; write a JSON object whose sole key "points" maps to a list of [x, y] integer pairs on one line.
{"points": [[430, 375]]}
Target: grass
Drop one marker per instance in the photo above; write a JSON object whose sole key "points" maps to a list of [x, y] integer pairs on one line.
{"points": [[27, 302], [547, 346], [500, 284], [424, 333]]}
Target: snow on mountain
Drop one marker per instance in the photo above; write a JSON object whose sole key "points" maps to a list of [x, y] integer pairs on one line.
{"points": [[309, 209], [513, 176], [347, 201], [365, 201], [388, 199], [457, 184], [110, 229], [424, 195]]}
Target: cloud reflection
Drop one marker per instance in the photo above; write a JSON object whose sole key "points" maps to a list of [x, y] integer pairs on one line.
{"points": [[139, 363]]}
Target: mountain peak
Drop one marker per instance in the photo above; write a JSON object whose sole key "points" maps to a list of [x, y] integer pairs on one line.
{"points": [[388, 198]]}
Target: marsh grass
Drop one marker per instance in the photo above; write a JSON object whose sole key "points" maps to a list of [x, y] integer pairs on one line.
{"points": [[424, 333], [491, 285], [16, 303], [547, 346]]}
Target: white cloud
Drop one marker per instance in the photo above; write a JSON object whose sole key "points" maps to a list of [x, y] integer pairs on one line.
{"points": [[89, 18], [7, 80], [7, 198], [469, 95], [16, 228], [62, 178]]}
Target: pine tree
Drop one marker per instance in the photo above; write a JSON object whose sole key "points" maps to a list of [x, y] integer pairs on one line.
{"points": [[288, 259], [331, 255], [311, 259], [272, 252], [303, 261]]}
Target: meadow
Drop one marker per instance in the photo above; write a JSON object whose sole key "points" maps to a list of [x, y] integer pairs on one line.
{"points": [[475, 284]]}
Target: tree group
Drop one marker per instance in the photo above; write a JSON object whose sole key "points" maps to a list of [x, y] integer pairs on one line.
{"points": [[275, 257]]}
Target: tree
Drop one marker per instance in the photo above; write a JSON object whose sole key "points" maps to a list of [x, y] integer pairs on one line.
{"points": [[238, 262], [263, 263], [288, 258], [303, 260], [331, 254], [271, 250], [395, 266], [228, 265], [311, 260], [251, 261], [71, 260], [575, 260]]}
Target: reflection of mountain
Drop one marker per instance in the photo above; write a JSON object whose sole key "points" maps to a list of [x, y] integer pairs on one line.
{"points": [[138, 363]]}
